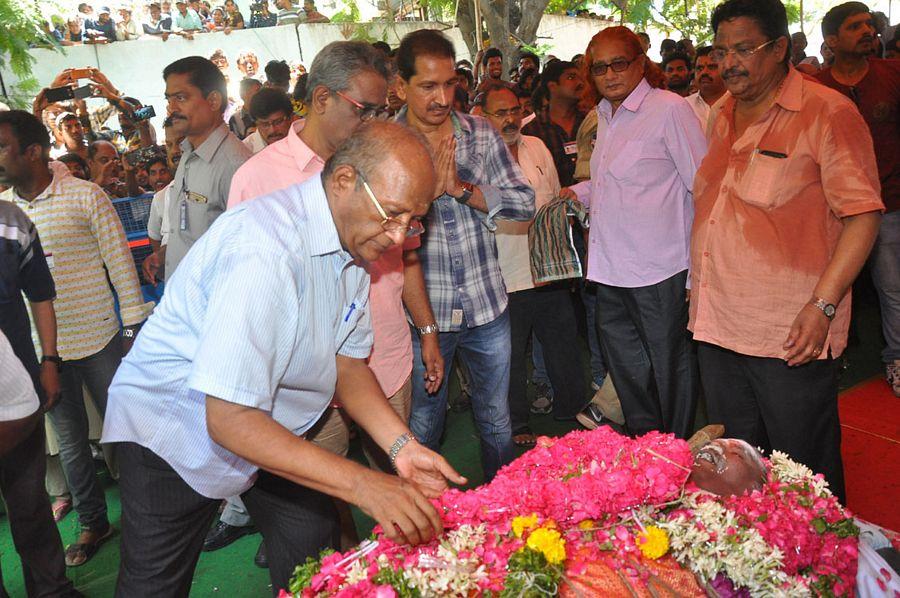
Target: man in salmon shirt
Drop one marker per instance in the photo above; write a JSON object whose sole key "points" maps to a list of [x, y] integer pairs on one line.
{"points": [[787, 209], [347, 86]]}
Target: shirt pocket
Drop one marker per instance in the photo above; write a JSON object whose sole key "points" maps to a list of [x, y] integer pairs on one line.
{"points": [[638, 158], [762, 184]]}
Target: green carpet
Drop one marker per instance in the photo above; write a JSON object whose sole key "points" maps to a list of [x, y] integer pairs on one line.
{"points": [[230, 572]]}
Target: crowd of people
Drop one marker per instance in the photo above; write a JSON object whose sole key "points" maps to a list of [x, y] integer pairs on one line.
{"points": [[336, 244], [183, 18]]}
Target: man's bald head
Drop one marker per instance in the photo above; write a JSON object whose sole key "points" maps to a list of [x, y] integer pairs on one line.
{"points": [[728, 466], [396, 165]]}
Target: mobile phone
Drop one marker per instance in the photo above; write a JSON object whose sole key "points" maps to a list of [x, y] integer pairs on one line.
{"points": [[144, 113], [83, 92], [80, 73], [59, 94], [141, 155]]}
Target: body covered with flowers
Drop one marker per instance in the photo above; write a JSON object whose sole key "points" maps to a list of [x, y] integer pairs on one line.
{"points": [[597, 513]]}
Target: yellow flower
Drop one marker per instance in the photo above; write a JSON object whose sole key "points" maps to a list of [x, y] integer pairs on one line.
{"points": [[653, 542], [548, 542], [521, 524], [586, 525]]}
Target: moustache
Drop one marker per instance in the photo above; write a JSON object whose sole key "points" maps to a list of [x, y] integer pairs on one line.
{"points": [[733, 73], [706, 78], [510, 129], [436, 107], [866, 38], [176, 116]]}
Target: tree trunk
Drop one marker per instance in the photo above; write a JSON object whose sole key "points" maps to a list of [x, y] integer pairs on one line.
{"points": [[465, 20]]}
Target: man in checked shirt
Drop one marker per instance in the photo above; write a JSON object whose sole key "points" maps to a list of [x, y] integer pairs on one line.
{"points": [[478, 180]]}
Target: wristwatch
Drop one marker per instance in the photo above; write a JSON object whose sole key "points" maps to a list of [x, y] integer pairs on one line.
{"points": [[429, 329], [827, 308], [52, 359], [468, 190], [401, 441]]}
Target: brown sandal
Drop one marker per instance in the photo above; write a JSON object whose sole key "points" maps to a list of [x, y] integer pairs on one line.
{"points": [[80, 553], [525, 439]]}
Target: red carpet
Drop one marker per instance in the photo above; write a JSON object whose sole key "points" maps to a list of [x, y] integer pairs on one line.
{"points": [[870, 423]]}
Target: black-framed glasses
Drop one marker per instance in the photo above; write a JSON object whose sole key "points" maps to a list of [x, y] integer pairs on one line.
{"points": [[366, 112], [742, 54], [503, 113], [598, 69], [275, 122], [390, 224]]}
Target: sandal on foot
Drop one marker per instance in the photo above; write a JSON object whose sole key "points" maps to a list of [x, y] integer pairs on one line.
{"points": [[80, 553], [61, 507], [525, 439]]}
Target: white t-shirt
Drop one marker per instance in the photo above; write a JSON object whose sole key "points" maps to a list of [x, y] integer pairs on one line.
{"points": [[255, 142], [511, 237], [17, 396]]}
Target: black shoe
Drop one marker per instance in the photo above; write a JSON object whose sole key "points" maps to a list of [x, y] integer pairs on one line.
{"points": [[261, 560], [590, 417], [222, 534]]}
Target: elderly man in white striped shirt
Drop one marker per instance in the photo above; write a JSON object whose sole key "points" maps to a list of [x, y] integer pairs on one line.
{"points": [[265, 320]]}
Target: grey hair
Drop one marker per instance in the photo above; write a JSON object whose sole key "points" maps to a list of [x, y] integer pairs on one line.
{"points": [[338, 62], [369, 146]]}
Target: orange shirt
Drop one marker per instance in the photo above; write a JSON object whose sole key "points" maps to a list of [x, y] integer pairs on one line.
{"points": [[767, 216]]}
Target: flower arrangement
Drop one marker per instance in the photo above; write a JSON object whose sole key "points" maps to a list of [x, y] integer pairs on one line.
{"points": [[597, 497]]}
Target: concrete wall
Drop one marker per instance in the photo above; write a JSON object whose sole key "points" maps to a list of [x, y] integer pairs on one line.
{"points": [[135, 67]]}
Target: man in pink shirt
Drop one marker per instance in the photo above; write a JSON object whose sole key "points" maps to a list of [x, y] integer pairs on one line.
{"points": [[347, 86]]}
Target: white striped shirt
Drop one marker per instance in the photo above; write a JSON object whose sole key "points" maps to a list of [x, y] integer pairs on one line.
{"points": [[17, 396], [254, 315]]}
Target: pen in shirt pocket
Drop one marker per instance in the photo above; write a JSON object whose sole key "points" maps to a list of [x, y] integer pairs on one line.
{"points": [[771, 153]]}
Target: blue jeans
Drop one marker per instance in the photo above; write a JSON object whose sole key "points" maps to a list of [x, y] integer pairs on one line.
{"points": [[70, 421], [539, 373], [485, 350], [885, 264]]}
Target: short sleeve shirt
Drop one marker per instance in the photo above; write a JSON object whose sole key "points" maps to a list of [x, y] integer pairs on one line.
{"points": [[255, 316], [200, 189], [23, 269], [768, 210]]}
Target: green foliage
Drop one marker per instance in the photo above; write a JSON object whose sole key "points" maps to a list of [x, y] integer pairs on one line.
{"points": [[22, 27], [530, 575], [304, 573], [349, 14], [398, 581]]}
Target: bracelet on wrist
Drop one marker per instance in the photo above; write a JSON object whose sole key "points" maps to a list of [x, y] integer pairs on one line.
{"points": [[401, 441], [428, 329]]}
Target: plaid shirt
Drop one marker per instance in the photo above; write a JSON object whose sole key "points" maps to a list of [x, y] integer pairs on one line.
{"points": [[458, 252], [556, 139]]}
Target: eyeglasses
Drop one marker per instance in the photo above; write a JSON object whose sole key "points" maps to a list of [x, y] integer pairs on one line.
{"points": [[719, 54], [598, 69], [275, 122], [517, 111], [366, 113], [391, 225]]}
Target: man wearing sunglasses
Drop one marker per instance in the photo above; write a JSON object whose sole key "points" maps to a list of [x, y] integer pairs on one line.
{"points": [[787, 208], [267, 320], [347, 87]]}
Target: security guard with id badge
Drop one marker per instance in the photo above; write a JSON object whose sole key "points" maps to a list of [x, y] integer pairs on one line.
{"points": [[197, 97]]}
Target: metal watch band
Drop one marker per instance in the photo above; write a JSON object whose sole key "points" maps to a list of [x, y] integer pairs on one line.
{"points": [[429, 329], [401, 441], [827, 308]]}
